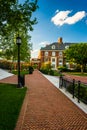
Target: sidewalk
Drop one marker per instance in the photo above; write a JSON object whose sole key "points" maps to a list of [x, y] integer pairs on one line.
{"points": [[4, 74], [47, 108], [55, 81]]}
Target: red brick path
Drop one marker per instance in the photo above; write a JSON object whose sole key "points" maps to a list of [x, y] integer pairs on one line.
{"points": [[83, 79], [46, 108]]}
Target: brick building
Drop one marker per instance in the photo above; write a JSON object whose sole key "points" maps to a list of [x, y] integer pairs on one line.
{"points": [[54, 53]]}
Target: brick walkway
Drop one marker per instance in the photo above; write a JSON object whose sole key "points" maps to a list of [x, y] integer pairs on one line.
{"points": [[46, 108], [83, 79]]}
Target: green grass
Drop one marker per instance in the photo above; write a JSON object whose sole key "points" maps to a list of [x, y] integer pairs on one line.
{"points": [[11, 99], [23, 72], [77, 73]]}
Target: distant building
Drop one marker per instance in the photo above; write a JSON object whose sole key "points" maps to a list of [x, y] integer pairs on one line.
{"points": [[36, 63], [54, 53]]}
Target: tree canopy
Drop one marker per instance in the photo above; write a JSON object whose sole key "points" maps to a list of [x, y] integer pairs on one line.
{"points": [[78, 54], [16, 18]]}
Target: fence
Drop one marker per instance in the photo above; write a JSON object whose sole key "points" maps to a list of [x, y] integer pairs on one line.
{"points": [[76, 88]]}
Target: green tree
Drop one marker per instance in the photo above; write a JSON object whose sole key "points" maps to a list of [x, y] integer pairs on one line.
{"points": [[78, 54], [16, 18], [9, 48]]}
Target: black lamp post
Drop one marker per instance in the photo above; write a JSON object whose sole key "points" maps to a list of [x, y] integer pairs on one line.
{"points": [[18, 42]]}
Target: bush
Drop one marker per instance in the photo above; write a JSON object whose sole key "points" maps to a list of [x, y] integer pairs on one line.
{"points": [[31, 69], [62, 68], [51, 72], [45, 71], [82, 94], [5, 65]]}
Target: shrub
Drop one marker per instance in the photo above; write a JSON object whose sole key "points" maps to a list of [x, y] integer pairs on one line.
{"points": [[51, 72], [62, 68], [31, 69]]}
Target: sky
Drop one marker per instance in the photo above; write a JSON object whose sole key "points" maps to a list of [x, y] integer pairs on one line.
{"points": [[59, 18]]}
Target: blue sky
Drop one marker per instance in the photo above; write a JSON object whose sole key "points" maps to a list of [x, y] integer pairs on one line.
{"points": [[59, 18]]}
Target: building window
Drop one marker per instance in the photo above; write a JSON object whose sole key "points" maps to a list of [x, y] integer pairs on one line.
{"points": [[60, 62], [53, 46], [53, 53], [46, 53], [46, 59], [53, 66], [53, 62], [60, 53], [53, 59]]}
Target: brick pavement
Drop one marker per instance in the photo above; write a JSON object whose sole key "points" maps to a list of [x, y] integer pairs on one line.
{"points": [[46, 108], [83, 79]]}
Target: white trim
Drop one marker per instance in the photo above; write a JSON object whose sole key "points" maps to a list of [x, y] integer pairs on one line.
{"points": [[54, 63]]}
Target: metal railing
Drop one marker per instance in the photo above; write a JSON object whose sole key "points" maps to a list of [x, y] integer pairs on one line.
{"points": [[76, 88]]}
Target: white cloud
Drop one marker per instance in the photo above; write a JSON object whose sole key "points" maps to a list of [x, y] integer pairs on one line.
{"points": [[62, 17], [34, 51], [57, 11], [44, 43]]}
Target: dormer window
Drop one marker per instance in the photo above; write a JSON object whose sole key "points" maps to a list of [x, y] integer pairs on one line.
{"points": [[53, 46]]}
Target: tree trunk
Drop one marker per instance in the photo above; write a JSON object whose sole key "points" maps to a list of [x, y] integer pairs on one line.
{"points": [[82, 69]]}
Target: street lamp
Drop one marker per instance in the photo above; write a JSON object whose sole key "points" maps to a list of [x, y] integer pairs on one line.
{"points": [[18, 42]]}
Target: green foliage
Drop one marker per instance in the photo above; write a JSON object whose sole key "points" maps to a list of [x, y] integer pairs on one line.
{"points": [[16, 18], [82, 92], [78, 54], [31, 69], [11, 100], [22, 72], [47, 69], [62, 68], [5, 65]]}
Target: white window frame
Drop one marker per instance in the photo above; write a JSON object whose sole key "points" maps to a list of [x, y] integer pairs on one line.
{"points": [[60, 53], [53, 53], [61, 63], [54, 63], [46, 53]]}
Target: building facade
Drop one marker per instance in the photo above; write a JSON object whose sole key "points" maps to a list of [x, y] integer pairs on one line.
{"points": [[54, 53], [35, 62]]}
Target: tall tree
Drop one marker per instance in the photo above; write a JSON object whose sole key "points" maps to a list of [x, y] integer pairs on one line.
{"points": [[16, 18], [78, 54]]}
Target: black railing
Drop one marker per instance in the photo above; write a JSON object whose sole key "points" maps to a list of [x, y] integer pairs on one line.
{"points": [[76, 88]]}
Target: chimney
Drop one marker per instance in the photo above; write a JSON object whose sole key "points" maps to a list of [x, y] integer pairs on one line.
{"points": [[60, 40]]}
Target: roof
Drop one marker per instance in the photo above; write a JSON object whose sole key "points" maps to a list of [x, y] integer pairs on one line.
{"points": [[56, 46]]}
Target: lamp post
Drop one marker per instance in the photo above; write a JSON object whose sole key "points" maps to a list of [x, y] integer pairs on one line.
{"points": [[18, 42]]}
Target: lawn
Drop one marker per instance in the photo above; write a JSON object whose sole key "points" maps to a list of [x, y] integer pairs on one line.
{"points": [[21, 72], [77, 73], [11, 99]]}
